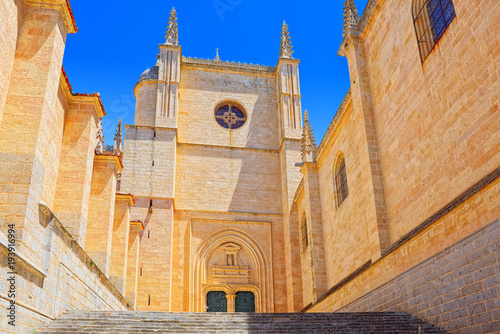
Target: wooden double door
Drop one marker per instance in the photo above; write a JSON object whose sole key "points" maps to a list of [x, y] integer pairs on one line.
{"points": [[244, 301]]}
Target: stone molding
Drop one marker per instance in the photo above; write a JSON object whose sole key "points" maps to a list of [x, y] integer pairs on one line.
{"points": [[92, 99], [111, 158], [232, 64], [137, 224], [62, 5], [125, 197]]}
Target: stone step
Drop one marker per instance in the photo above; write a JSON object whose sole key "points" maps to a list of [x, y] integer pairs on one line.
{"points": [[124, 322]]}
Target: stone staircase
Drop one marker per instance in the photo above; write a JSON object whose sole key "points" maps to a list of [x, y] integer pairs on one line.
{"points": [[79, 322]]}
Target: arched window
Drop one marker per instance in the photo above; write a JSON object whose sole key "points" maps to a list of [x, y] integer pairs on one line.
{"points": [[341, 190], [431, 18], [303, 233]]}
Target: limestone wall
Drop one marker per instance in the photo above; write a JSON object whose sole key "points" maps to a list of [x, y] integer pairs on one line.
{"points": [[349, 230], [11, 12], [202, 89], [455, 289], [149, 157], [53, 272], [465, 219], [155, 260], [430, 131], [71, 282], [227, 179], [437, 122]]}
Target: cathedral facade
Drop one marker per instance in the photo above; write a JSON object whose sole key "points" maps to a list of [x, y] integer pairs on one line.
{"points": [[219, 199]]}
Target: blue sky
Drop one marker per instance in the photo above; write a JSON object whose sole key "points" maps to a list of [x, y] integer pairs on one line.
{"points": [[118, 40]]}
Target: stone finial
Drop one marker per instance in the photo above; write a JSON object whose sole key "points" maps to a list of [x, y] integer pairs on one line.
{"points": [[286, 44], [172, 35], [308, 141], [100, 138], [351, 17], [117, 147], [217, 55]]}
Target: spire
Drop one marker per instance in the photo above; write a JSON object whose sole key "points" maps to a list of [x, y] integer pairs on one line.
{"points": [[308, 141], [99, 138], [172, 32], [286, 44], [117, 148], [351, 17], [217, 55]]}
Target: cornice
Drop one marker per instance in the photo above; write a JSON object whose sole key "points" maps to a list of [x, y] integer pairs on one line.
{"points": [[125, 197], [92, 99], [242, 148], [193, 61], [110, 158], [149, 127], [62, 5], [137, 224]]}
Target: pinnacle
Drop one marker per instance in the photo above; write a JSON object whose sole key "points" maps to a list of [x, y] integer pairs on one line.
{"points": [[286, 48], [117, 147], [172, 30], [308, 141], [351, 17]]}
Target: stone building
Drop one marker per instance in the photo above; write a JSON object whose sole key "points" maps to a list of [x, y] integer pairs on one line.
{"points": [[221, 200]]}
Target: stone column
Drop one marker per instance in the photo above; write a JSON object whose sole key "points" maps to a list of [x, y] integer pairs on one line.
{"points": [[120, 237], [136, 227], [101, 210], [231, 305]]}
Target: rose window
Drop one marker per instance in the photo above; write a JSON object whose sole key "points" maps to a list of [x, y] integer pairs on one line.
{"points": [[230, 115]]}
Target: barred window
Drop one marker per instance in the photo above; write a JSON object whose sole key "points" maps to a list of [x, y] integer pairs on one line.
{"points": [[431, 18], [341, 190], [303, 232]]}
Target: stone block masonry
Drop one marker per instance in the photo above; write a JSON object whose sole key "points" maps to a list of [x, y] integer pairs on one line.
{"points": [[457, 289]]}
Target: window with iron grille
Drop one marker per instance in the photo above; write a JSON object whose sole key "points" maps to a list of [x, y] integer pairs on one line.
{"points": [[431, 18], [341, 181], [303, 232]]}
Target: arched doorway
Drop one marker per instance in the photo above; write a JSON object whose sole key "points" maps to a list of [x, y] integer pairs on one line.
{"points": [[241, 265], [245, 302], [216, 301]]}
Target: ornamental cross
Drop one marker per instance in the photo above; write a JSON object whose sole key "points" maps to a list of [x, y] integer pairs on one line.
{"points": [[230, 118]]}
